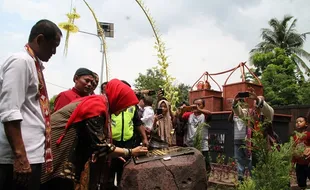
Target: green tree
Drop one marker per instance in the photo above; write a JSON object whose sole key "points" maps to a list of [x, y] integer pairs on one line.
{"points": [[285, 36], [153, 79], [274, 161], [183, 92], [52, 103], [304, 92], [283, 84], [279, 78]]}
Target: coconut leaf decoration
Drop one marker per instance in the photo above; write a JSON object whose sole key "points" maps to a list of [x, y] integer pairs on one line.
{"points": [[171, 92], [69, 27], [102, 38]]}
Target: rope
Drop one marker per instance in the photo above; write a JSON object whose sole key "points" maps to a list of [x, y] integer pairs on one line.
{"points": [[220, 73], [241, 66]]}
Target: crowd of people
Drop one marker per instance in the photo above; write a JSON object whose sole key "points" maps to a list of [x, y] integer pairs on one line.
{"points": [[84, 142], [247, 119]]}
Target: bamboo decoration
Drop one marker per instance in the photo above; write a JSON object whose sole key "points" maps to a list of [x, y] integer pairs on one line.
{"points": [[69, 27], [171, 92], [102, 38]]}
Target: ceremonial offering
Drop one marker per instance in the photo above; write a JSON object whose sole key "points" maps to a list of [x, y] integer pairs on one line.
{"points": [[157, 154]]}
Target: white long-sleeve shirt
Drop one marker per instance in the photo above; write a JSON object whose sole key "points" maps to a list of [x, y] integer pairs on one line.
{"points": [[18, 92], [148, 117]]}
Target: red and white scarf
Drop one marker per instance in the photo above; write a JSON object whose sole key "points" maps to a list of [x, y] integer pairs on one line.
{"points": [[44, 104]]}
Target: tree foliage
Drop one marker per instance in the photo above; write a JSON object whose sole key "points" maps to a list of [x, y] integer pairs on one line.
{"points": [[285, 36], [52, 103], [171, 93], [154, 79], [183, 92], [272, 170], [283, 84], [304, 93]]}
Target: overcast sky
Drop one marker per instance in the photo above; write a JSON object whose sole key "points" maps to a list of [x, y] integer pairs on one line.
{"points": [[200, 35]]}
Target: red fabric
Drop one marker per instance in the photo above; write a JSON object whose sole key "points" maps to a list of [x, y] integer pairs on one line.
{"points": [[66, 97], [306, 141], [186, 115], [44, 105], [120, 96]]}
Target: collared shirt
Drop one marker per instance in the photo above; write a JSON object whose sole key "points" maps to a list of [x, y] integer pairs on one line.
{"points": [[66, 97], [18, 101], [148, 117]]}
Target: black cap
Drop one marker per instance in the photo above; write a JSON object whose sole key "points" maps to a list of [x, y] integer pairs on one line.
{"points": [[82, 72]]}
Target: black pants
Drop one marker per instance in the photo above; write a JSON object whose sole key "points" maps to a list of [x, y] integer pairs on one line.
{"points": [[302, 174], [7, 182], [58, 184], [207, 161], [117, 165]]}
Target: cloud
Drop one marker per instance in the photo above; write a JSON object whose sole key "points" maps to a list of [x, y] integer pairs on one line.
{"points": [[197, 47], [192, 50], [253, 18], [203, 36]]}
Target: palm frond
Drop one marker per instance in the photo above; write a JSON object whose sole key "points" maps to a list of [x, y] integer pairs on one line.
{"points": [[102, 37], [263, 47], [301, 52], [171, 92], [294, 40], [304, 35], [285, 20], [269, 35], [300, 63], [69, 27], [292, 26], [274, 23]]}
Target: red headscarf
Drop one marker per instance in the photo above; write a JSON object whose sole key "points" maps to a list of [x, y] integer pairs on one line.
{"points": [[120, 96]]}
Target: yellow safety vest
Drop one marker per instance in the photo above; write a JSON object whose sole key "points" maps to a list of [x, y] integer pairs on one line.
{"points": [[122, 125]]}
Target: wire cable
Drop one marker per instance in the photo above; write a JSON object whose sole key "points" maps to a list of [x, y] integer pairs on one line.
{"points": [[57, 85]]}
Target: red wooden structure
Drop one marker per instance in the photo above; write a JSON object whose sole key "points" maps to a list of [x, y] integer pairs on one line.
{"points": [[220, 100]]}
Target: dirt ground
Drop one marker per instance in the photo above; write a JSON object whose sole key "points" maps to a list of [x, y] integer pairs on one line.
{"points": [[223, 187], [220, 187]]}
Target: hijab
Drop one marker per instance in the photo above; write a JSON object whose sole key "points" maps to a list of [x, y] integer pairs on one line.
{"points": [[118, 96], [165, 124]]}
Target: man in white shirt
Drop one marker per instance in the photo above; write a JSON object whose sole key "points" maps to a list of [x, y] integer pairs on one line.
{"points": [[22, 127], [148, 113], [199, 116]]}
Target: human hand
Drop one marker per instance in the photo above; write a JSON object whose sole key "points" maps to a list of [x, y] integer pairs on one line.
{"points": [[194, 107], [236, 98], [307, 153], [122, 159], [139, 150], [144, 91], [145, 142], [21, 170], [160, 94], [253, 96], [147, 130], [158, 117]]}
